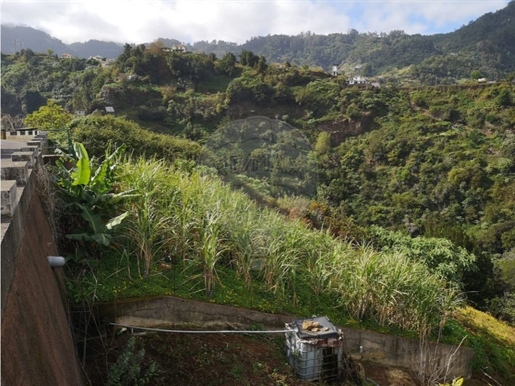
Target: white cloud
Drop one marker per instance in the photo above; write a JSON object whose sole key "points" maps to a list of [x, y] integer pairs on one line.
{"points": [[138, 21], [425, 16]]}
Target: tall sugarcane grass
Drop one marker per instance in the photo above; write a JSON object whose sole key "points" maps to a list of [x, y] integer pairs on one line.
{"points": [[205, 224], [210, 247], [243, 239], [392, 290], [148, 229]]}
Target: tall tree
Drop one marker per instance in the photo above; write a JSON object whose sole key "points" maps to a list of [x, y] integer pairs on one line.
{"points": [[49, 117], [227, 63]]}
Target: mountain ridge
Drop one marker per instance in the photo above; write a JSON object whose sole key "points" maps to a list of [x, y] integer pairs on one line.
{"points": [[485, 45]]}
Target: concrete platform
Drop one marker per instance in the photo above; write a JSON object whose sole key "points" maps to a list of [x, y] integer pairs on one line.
{"points": [[15, 170], [8, 197], [27, 156]]}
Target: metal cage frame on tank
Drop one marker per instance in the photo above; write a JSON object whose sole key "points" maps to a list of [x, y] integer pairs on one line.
{"points": [[314, 348]]}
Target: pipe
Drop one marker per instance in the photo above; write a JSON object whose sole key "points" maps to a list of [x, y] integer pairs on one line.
{"points": [[56, 261], [202, 332]]}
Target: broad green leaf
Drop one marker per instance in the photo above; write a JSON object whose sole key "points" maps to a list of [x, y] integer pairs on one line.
{"points": [[94, 220], [80, 150], [116, 220], [81, 173], [99, 183], [102, 238]]}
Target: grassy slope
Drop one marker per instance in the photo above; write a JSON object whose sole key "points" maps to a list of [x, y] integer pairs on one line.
{"points": [[493, 342]]}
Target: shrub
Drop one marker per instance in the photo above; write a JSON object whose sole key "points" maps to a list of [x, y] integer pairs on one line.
{"points": [[96, 131], [129, 370]]}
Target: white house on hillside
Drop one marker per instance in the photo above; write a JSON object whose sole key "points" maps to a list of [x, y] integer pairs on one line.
{"points": [[175, 48], [97, 58], [358, 80]]}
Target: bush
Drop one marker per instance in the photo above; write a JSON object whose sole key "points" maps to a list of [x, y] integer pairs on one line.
{"points": [[128, 369], [440, 255], [95, 132]]}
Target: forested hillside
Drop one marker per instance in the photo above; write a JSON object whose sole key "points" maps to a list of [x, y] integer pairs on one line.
{"points": [[482, 49], [16, 38], [432, 161], [485, 45]]}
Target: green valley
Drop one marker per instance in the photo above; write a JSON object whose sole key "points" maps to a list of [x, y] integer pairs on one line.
{"points": [[410, 225]]}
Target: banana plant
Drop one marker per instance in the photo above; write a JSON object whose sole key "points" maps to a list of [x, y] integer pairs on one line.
{"points": [[98, 231], [90, 194]]}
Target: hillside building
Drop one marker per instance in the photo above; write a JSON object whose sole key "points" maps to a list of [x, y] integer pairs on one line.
{"points": [[358, 80]]}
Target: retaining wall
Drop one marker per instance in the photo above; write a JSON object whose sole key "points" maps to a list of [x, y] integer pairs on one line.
{"points": [[37, 346], [170, 311]]}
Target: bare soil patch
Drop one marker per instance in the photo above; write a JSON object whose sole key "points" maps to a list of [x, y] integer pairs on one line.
{"points": [[388, 376], [219, 359]]}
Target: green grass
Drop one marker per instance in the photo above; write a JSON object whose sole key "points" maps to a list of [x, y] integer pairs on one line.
{"points": [[493, 342]]}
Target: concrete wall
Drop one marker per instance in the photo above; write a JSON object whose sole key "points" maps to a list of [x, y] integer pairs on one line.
{"points": [[392, 350], [37, 344], [169, 311]]}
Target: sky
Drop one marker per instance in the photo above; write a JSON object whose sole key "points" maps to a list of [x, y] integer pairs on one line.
{"points": [[143, 21]]}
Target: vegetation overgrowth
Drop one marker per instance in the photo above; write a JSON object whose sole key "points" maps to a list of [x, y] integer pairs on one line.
{"points": [[205, 226], [400, 170], [190, 235]]}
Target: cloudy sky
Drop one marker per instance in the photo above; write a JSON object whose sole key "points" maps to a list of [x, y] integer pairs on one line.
{"points": [[139, 21]]}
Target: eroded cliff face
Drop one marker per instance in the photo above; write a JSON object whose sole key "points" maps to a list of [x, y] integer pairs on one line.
{"points": [[37, 344], [342, 130]]}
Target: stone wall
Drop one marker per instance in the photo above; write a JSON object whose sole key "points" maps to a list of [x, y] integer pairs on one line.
{"points": [[171, 310], [392, 350]]}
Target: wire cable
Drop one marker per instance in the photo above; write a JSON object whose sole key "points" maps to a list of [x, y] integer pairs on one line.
{"points": [[202, 332]]}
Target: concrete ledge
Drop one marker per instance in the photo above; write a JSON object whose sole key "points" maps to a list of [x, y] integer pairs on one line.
{"points": [[391, 350], [12, 239], [13, 229], [8, 197], [35, 142], [15, 170], [24, 156], [41, 142], [170, 310], [31, 148], [37, 343]]}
